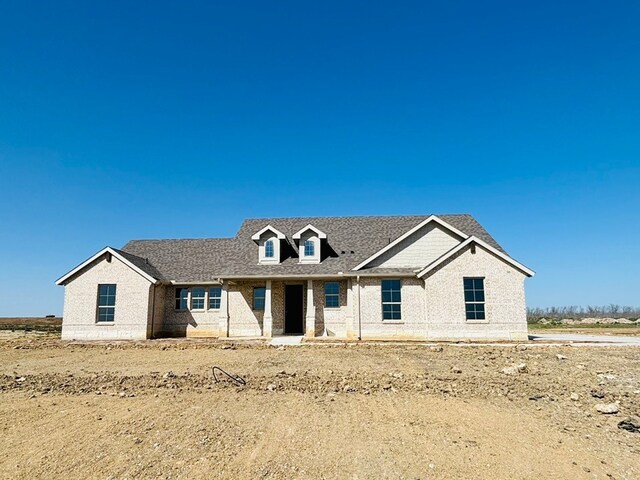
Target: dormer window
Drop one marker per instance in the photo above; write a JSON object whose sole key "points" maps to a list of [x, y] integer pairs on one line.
{"points": [[268, 249], [310, 240], [309, 248], [269, 242]]}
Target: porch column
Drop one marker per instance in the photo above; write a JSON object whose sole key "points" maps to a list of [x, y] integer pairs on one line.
{"points": [[357, 306], [224, 311], [350, 307], [310, 330], [267, 319]]}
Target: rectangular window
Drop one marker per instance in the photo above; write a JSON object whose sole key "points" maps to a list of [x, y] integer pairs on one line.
{"points": [[391, 300], [215, 294], [474, 298], [197, 298], [332, 294], [106, 302], [182, 298], [258, 298]]}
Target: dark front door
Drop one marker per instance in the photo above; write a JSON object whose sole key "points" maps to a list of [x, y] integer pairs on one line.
{"points": [[293, 309]]}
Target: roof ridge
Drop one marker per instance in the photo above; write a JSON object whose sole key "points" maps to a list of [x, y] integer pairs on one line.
{"points": [[177, 239], [253, 219]]}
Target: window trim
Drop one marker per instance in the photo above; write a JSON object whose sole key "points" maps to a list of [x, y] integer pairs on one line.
{"points": [[475, 302], [112, 307], [268, 244], [383, 303], [204, 299], [218, 298], [176, 298], [336, 295], [312, 244], [253, 306]]}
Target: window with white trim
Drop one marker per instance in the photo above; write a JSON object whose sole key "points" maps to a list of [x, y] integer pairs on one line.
{"points": [[197, 298], [474, 298], [182, 298], [268, 249], [215, 294], [391, 300], [309, 248], [332, 294], [106, 302]]}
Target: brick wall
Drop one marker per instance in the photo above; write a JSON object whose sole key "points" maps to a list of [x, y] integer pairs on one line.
{"points": [[132, 309]]}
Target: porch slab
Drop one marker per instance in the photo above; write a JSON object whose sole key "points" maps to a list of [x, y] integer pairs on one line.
{"points": [[287, 340]]}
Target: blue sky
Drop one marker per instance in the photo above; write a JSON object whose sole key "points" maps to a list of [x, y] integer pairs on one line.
{"points": [[123, 120]]}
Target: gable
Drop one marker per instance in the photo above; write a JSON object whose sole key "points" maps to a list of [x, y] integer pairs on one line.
{"points": [[109, 254], [470, 245], [418, 249]]}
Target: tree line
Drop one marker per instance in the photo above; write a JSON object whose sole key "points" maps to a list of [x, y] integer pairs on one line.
{"points": [[577, 312]]}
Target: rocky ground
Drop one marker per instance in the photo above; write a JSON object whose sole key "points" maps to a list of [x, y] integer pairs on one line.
{"points": [[153, 409]]}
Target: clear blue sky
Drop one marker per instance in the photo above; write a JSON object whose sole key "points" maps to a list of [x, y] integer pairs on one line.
{"points": [[124, 120]]}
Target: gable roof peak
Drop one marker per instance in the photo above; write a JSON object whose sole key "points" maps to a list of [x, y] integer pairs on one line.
{"points": [[279, 235], [320, 233]]}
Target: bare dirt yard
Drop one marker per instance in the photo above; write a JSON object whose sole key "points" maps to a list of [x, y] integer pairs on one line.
{"points": [[152, 410]]}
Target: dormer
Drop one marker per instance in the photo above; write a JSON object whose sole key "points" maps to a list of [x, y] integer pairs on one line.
{"points": [[269, 242], [309, 240]]}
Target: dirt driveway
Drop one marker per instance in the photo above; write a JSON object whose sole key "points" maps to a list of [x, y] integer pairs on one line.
{"points": [[151, 409]]}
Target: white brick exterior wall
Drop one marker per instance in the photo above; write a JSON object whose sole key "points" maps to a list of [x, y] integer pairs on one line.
{"points": [[432, 308], [133, 303], [506, 316], [418, 250], [413, 322]]}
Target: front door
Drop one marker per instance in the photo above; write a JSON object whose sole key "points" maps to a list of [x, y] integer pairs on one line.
{"points": [[293, 310]]}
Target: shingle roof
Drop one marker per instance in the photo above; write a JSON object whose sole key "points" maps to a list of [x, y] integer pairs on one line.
{"points": [[142, 263], [351, 240]]}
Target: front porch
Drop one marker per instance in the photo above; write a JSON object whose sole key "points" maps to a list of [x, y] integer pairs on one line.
{"points": [[269, 308]]}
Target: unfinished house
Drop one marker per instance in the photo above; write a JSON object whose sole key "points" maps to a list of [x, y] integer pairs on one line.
{"points": [[395, 277]]}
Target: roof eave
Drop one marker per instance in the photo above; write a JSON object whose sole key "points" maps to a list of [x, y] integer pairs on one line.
{"points": [[67, 276], [458, 248], [431, 218]]}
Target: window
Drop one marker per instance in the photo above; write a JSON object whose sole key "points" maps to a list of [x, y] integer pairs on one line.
{"points": [[197, 298], [215, 294], [474, 298], [332, 294], [309, 248], [106, 302], [182, 296], [391, 300], [268, 249], [258, 298]]}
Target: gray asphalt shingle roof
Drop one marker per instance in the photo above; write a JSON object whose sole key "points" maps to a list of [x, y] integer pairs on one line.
{"points": [[351, 240]]}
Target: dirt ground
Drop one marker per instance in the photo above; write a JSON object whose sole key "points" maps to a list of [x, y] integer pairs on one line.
{"points": [[152, 410], [591, 330]]}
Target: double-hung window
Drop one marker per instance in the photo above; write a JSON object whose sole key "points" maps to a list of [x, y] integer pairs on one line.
{"points": [[215, 294], [106, 302], [332, 294], [474, 298], [391, 300], [182, 298], [258, 298], [197, 298]]}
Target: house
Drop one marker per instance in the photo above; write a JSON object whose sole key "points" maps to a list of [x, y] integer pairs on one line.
{"points": [[431, 277]]}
